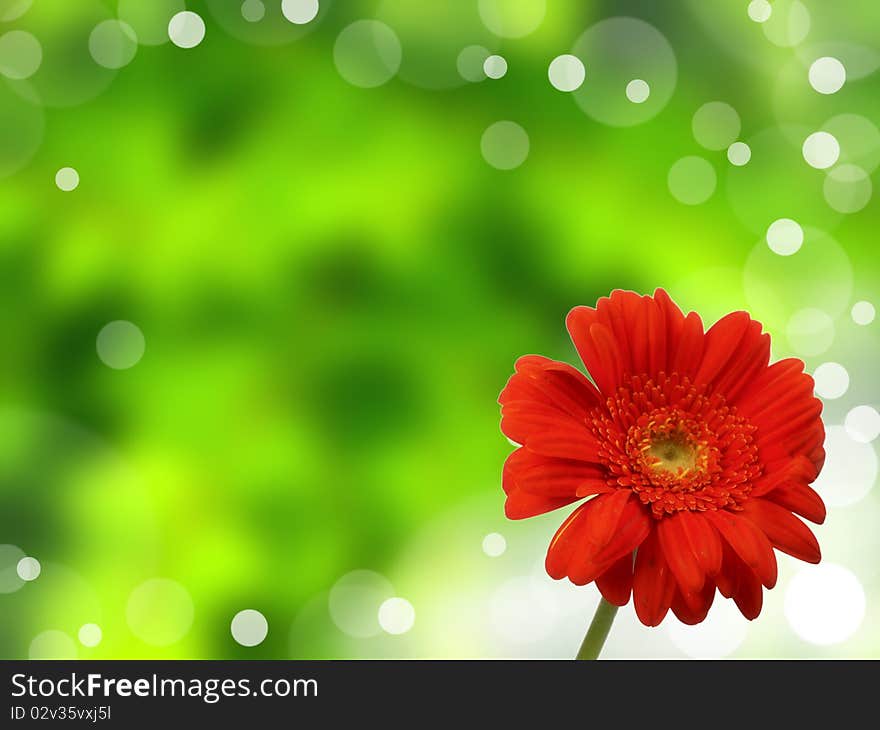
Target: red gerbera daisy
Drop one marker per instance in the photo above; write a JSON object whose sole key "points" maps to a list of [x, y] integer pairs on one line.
{"points": [[694, 453]]}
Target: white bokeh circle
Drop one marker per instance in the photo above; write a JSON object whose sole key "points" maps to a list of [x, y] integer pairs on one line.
{"points": [[739, 154], [760, 10], [692, 180], [186, 29], [28, 569], [10, 557], [566, 72], [494, 544], [863, 313], [788, 24], [253, 11], [862, 424], [831, 380], [858, 138], [249, 627], [120, 344], [810, 331], [847, 188], [512, 18], [827, 75], [52, 644], [20, 55], [850, 469], [719, 635], [354, 602], [495, 66], [505, 145], [521, 611], [785, 236], [13, 9], [67, 179], [300, 12], [615, 51], [821, 150], [90, 635], [367, 53], [716, 125], [159, 612], [113, 44], [824, 604], [638, 91], [396, 615], [470, 62]]}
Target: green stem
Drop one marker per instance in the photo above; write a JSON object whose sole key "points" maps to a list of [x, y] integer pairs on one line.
{"points": [[598, 631]]}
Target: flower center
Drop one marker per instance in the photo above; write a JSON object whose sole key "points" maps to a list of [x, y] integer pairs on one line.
{"points": [[677, 446], [672, 455]]}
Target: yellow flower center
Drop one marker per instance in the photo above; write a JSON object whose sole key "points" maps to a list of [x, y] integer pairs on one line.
{"points": [[677, 446], [673, 455]]}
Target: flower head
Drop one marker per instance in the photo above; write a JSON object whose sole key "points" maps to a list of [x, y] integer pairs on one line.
{"points": [[691, 453]]}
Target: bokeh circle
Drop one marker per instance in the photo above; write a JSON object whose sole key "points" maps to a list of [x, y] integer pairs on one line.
{"points": [[615, 51]]}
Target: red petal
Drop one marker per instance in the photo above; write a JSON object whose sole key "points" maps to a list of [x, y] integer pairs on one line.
{"points": [[614, 312], [722, 342], [748, 542], [785, 531], [692, 548], [774, 382], [797, 469], [565, 441], [817, 454], [679, 554], [748, 597], [616, 582], [634, 526], [693, 608], [647, 329], [631, 334], [653, 582], [704, 541], [673, 326], [547, 430], [564, 543], [591, 558], [624, 314], [551, 381], [728, 577], [608, 357], [606, 528], [736, 580], [552, 477], [750, 358], [602, 363], [781, 404], [546, 404], [640, 335], [605, 516], [635, 313], [690, 348], [519, 504], [792, 417], [801, 500]]}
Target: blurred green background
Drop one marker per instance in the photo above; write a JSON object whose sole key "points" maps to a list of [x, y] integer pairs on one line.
{"points": [[306, 224]]}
